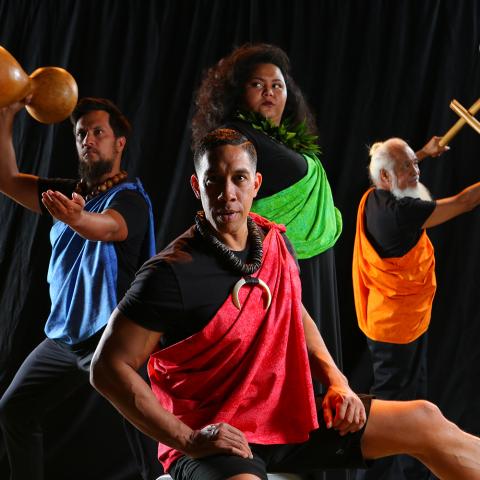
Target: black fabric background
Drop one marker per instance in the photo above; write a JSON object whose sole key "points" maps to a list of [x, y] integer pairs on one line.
{"points": [[371, 70]]}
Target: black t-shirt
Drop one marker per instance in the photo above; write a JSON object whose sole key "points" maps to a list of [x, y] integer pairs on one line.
{"points": [[133, 208], [279, 165], [394, 226], [179, 290]]}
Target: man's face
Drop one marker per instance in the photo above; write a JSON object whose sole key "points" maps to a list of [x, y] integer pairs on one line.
{"points": [[98, 148], [406, 169], [404, 180], [226, 184]]}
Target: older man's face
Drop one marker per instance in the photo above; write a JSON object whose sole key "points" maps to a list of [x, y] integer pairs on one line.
{"points": [[406, 169], [404, 180]]}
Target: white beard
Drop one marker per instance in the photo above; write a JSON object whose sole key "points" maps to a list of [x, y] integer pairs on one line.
{"points": [[420, 191]]}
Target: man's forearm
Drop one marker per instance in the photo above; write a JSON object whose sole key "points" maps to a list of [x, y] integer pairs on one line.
{"points": [[322, 364], [133, 398], [19, 187], [448, 208], [324, 368], [98, 227]]}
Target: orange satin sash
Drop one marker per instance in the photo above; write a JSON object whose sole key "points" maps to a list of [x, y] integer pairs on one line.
{"points": [[393, 296]]}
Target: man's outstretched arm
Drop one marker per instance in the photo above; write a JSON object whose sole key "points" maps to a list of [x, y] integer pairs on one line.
{"points": [[448, 208], [342, 409], [107, 226], [122, 350]]}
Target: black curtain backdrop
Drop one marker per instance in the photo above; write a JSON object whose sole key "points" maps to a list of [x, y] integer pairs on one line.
{"points": [[371, 69]]}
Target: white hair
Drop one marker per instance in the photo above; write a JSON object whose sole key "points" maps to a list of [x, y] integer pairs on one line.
{"points": [[382, 157]]}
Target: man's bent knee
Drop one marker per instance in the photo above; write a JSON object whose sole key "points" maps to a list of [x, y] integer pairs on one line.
{"points": [[425, 412], [396, 427]]}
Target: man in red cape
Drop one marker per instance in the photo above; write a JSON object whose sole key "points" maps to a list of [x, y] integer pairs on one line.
{"points": [[232, 351]]}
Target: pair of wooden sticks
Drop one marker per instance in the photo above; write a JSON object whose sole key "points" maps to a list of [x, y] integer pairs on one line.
{"points": [[466, 116]]}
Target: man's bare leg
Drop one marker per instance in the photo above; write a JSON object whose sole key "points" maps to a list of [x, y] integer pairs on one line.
{"points": [[419, 429]]}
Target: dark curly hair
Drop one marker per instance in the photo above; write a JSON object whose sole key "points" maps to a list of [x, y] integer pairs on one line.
{"points": [[120, 125], [223, 85]]}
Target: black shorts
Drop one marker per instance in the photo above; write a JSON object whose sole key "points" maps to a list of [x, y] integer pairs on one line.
{"points": [[325, 449]]}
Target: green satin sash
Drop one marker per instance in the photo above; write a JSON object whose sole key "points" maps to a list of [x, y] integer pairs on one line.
{"points": [[306, 208]]}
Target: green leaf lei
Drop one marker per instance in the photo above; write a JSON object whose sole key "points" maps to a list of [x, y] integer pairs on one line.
{"points": [[295, 137]]}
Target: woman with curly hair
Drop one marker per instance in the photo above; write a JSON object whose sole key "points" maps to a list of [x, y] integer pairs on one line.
{"points": [[251, 90]]}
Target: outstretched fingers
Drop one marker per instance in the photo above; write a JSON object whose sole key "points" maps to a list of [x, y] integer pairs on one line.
{"points": [[61, 207]]}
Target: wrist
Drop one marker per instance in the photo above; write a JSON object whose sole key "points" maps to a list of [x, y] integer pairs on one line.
{"points": [[337, 378], [76, 223], [421, 154], [187, 440]]}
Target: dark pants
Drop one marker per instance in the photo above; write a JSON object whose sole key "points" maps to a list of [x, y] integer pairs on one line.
{"points": [[49, 375], [400, 373], [324, 449]]}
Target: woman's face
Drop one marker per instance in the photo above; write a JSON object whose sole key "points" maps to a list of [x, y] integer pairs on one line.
{"points": [[266, 92]]}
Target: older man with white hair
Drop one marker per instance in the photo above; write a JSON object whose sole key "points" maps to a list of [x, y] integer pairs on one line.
{"points": [[394, 276]]}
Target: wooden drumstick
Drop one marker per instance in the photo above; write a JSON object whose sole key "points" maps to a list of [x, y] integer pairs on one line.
{"points": [[462, 112], [460, 123]]}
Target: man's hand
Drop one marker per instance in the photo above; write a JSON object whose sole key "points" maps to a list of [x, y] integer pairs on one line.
{"points": [[343, 410], [62, 208], [8, 113], [432, 149], [218, 438]]}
